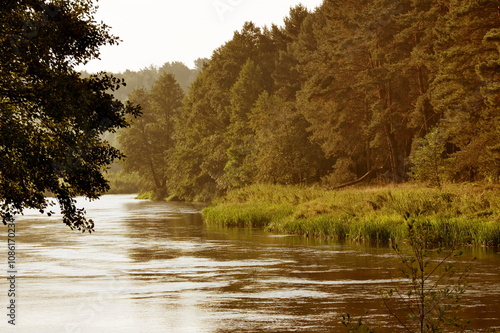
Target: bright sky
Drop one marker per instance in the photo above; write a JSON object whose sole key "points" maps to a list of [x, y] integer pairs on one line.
{"points": [[157, 31]]}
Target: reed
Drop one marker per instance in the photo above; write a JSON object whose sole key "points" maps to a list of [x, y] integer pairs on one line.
{"points": [[459, 214], [254, 215]]}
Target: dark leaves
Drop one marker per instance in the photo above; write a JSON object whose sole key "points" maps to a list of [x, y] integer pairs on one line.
{"points": [[51, 119]]}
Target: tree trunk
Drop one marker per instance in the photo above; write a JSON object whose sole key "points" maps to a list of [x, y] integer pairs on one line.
{"points": [[357, 181], [394, 157]]}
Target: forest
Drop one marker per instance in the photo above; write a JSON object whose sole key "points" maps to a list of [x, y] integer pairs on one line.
{"points": [[375, 90], [263, 134]]}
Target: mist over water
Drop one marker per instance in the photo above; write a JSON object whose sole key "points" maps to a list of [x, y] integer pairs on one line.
{"points": [[155, 267]]}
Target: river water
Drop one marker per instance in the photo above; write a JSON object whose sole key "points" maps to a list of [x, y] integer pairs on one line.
{"points": [[155, 267]]}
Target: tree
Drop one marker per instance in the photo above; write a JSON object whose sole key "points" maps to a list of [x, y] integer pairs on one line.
{"points": [[244, 94], [204, 146], [434, 282], [149, 142], [51, 119], [428, 158], [287, 77], [283, 151], [181, 72], [146, 77], [465, 90], [430, 300], [338, 96]]}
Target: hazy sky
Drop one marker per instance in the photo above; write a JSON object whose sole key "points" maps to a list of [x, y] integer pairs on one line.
{"points": [[156, 31]]}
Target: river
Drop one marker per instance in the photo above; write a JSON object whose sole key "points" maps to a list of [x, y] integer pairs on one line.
{"points": [[155, 267]]}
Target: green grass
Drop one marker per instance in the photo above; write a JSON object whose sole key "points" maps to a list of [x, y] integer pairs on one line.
{"points": [[467, 214], [256, 215]]}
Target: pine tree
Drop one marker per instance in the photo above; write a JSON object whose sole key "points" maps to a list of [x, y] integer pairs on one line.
{"points": [[464, 90], [240, 136]]}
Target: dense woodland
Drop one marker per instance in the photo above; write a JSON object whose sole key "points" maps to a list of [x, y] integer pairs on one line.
{"points": [[391, 90]]}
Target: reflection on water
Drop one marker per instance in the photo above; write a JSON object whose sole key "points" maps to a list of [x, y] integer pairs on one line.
{"points": [[154, 267]]}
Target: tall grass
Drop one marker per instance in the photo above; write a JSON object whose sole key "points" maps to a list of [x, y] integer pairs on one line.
{"points": [[255, 215], [459, 214]]}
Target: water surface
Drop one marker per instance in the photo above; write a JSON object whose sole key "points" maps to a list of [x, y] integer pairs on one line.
{"points": [[155, 267]]}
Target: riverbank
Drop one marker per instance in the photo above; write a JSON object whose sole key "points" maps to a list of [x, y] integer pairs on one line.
{"points": [[464, 213]]}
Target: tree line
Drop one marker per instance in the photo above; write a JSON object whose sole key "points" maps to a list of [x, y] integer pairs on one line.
{"points": [[146, 77], [356, 88]]}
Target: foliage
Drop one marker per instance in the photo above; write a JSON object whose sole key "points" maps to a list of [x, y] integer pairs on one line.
{"points": [[466, 81], [355, 326], [124, 182], [436, 283], [342, 172], [244, 93], [146, 77], [428, 158], [349, 89], [283, 150], [210, 152], [150, 139], [51, 119]]}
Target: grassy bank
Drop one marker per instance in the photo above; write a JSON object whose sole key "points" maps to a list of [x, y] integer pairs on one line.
{"points": [[458, 213]]}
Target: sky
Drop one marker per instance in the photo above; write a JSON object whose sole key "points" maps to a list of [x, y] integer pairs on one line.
{"points": [[157, 31]]}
